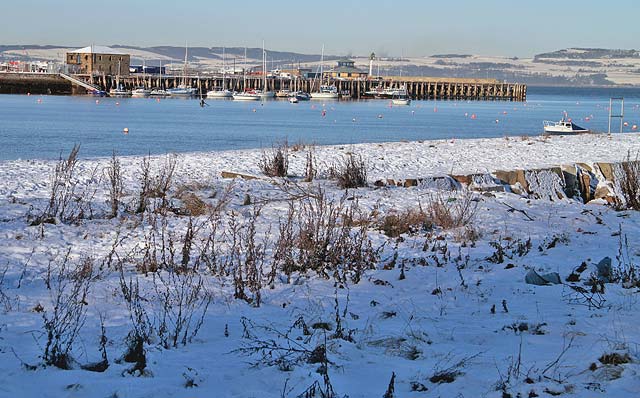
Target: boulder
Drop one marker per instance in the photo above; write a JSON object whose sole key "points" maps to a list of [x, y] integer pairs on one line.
{"points": [[534, 278], [605, 270]]}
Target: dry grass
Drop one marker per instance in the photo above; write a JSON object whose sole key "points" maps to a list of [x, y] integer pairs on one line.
{"points": [[410, 221], [452, 212]]}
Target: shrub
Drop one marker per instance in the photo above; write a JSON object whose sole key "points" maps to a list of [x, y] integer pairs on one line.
{"points": [[351, 172], [275, 163]]}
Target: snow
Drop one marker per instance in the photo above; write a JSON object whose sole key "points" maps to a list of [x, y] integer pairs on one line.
{"points": [[437, 317]]}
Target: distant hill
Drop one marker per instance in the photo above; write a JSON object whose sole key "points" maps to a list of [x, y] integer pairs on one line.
{"points": [[174, 53], [589, 53]]}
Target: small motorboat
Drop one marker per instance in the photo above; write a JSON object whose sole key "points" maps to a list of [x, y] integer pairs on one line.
{"points": [[563, 127], [301, 96], [293, 100]]}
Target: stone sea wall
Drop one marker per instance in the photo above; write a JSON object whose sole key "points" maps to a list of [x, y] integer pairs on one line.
{"points": [[583, 181]]}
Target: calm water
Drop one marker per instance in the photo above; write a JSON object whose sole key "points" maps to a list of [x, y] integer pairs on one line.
{"points": [[43, 126]]}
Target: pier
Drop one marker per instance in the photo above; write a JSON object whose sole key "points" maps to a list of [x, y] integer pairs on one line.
{"points": [[419, 88]]}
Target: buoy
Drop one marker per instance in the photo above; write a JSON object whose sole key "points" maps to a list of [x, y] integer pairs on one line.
{"points": [[253, 110], [466, 114], [117, 104], [380, 116], [39, 101], [125, 130], [504, 112], [634, 127], [353, 120], [413, 112], [28, 94], [473, 116], [497, 121], [625, 124], [97, 102], [435, 109], [157, 99], [324, 113]]}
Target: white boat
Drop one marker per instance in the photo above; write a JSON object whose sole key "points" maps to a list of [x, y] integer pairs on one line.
{"points": [[250, 95], [183, 91], [293, 100], [325, 91], [158, 92], [564, 126], [219, 93], [119, 92], [140, 92], [401, 97], [247, 94]]}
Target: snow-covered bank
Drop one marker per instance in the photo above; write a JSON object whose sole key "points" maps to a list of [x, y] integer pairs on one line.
{"points": [[443, 306]]}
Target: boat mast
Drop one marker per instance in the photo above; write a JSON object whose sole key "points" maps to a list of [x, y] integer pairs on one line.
{"points": [[322, 65], [223, 69], [184, 71], [264, 69]]}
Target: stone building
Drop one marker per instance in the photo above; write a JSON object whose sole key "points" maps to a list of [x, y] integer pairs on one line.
{"points": [[98, 60]]}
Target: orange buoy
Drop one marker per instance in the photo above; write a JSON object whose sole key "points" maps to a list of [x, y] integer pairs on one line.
{"points": [[626, 124], [473, 116]]}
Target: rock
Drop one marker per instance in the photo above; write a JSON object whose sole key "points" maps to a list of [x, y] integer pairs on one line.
{"points": [[570, 175], [512, 178], [534, 278], [603, 192], [606, 169], [605, 270]]}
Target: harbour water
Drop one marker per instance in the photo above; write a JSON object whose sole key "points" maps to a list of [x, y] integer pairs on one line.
{"points": [[37, 127]]}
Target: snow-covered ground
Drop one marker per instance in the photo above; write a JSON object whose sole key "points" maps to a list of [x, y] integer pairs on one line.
{"points": [[444, 308]]}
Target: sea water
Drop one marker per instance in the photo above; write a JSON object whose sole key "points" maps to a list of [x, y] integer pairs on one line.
{"points": [[44, 127]]}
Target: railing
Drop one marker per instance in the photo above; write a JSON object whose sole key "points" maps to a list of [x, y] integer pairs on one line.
{"points": [[80, 83]]}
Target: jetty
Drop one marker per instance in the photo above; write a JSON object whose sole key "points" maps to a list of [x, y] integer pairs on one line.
{"points": [[418, 88]]}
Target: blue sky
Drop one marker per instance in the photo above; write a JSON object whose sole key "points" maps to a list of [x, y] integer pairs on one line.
{"points": [[393, 28]]}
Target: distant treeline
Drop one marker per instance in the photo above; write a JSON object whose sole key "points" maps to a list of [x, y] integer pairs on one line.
{"points": [[589, 53]]}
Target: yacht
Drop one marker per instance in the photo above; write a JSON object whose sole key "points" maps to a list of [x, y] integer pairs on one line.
{"points": [[564, 126], [141, 92], [326, 92], [119, 92], [219, 93], [183, 91], [250, 95], [158, 92]]}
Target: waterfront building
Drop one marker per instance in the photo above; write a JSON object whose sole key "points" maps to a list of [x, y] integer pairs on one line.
{"points": [[98, 60], [346, 70]]}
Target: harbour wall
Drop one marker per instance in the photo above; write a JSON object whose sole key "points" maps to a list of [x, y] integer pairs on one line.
{"points": [[34, 83]]}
